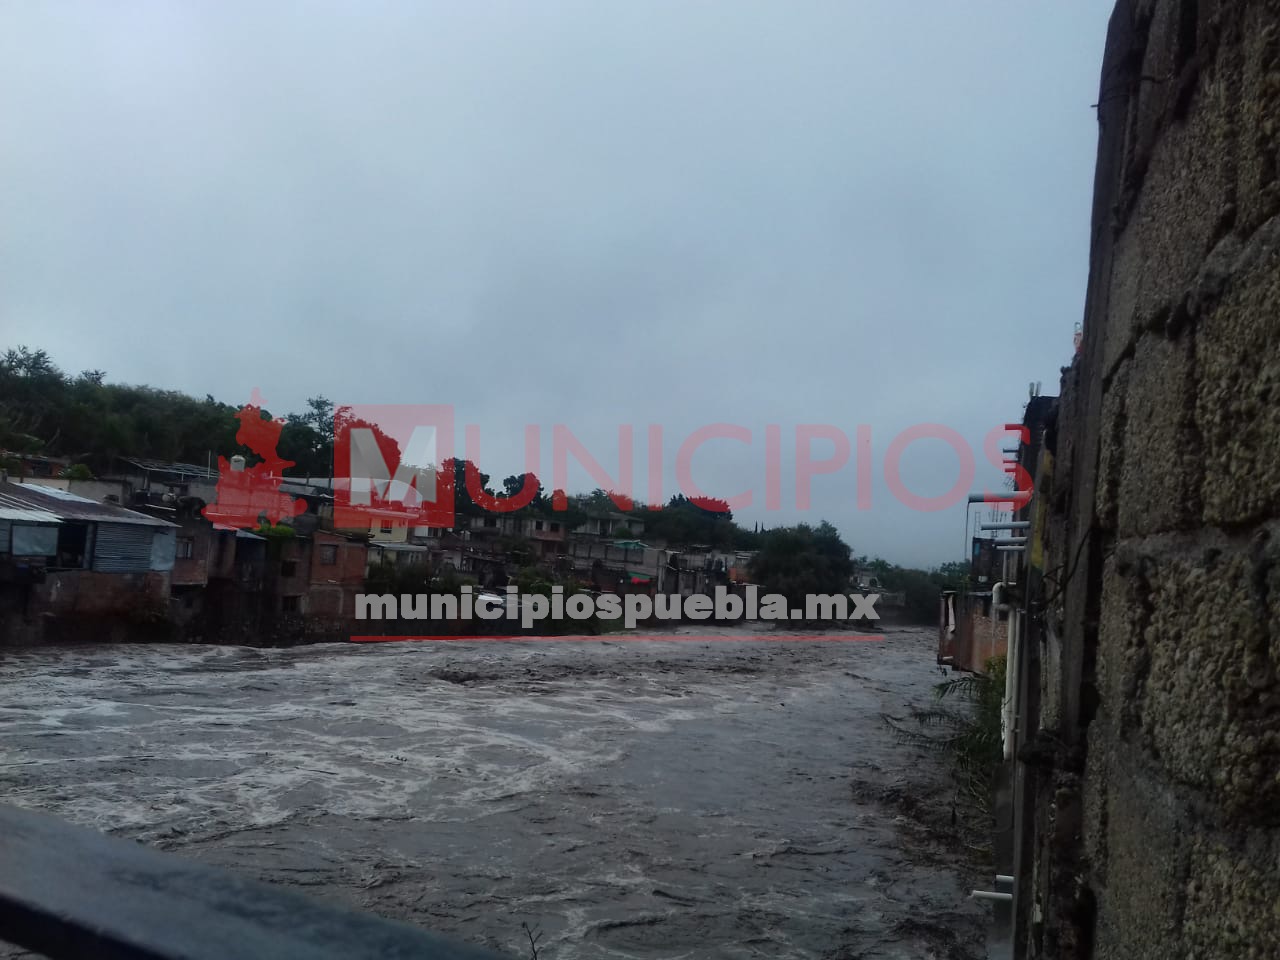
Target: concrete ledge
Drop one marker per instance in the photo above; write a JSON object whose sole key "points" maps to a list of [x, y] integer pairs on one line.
{"points": [[69, 892]]}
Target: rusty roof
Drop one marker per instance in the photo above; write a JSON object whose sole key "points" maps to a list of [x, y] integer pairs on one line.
{"points": [[35, 503]]}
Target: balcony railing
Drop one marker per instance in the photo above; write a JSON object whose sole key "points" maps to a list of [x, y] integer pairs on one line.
{"points": [[68, 892]]}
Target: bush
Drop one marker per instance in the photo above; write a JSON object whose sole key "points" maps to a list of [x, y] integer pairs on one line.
{"points": [[920, 588], [387, 577]]}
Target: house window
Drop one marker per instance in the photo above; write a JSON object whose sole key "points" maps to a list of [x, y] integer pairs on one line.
{"points": [[555, 528], [329, 554], [538, 524], [289, 568], [386, 526], [490, 522], [290, 604], [186, 548]]}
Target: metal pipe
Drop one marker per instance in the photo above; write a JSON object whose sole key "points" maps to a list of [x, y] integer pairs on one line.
{"points": [[1018, 496], [1007, 525], [1012, 549], [1010, 541], [1008, 713], [1019, 643], [1003, 878], [968, 546], [991, 895]]}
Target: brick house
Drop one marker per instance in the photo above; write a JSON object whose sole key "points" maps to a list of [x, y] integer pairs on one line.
{"points": [[336, 574]]}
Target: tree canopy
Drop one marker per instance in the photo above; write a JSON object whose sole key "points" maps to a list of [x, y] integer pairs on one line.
{"points": [[799, 560]]}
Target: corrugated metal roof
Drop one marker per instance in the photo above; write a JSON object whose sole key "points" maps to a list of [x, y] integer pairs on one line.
{"points": [[181, 469], [13, 509], [53, 505], [304, 490]]}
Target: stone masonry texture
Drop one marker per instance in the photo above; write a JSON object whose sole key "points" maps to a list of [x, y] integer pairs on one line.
{"points": [[1161, 838]]}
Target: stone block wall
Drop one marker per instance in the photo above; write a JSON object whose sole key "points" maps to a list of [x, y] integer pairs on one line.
{"points": [[1157, 826]]}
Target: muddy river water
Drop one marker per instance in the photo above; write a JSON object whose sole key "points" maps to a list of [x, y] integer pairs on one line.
{"points": [[729, 798]]}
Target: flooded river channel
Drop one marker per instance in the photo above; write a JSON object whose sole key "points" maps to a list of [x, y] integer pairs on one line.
{"points": [[730, 799]]}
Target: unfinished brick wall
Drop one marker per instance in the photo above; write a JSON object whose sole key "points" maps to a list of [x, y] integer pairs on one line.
{"points": [[1158, 826], [979, 634]]}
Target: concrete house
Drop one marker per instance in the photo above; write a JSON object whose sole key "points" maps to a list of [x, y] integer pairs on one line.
{"points": [[609, 523]]}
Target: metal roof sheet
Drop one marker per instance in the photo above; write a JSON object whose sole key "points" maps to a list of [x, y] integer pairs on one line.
{"points": [[304, 490], [55, 505], [17, 510], [400, 547], [182, 469]]}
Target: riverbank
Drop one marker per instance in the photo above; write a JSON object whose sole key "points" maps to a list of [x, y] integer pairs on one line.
{"points": [[730, 799]]}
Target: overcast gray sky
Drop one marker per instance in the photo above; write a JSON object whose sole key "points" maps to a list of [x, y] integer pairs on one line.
{"points": [[588, 213]]}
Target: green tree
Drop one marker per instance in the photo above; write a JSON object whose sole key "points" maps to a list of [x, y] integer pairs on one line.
{"points": [[464, 503], [920, 588], [519, 485], [567, 510], [799, 560]]}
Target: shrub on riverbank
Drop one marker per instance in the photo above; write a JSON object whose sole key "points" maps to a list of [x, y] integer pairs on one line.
{"points": [[966, 725]]}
